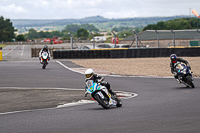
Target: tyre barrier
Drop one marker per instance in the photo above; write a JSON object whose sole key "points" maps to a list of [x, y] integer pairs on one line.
{"points": [[125, 53]]}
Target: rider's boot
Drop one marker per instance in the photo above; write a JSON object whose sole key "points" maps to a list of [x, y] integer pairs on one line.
{"points": [[178, 80], [113, 95]]}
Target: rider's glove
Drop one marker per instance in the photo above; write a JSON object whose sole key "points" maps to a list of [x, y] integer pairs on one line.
{"points": [[188, 66], [99, 81], [175, 74], [86, 92]]}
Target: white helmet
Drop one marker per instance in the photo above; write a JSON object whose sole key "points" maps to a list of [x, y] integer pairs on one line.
{"points": [[89, 73]]}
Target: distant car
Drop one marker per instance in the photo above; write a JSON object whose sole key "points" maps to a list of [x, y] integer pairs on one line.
{"points": [[110, 45], [106, 45], [87, 47], [124, 45]]}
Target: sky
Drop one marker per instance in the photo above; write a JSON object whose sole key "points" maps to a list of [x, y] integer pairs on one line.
{"points": [[77, 9]]}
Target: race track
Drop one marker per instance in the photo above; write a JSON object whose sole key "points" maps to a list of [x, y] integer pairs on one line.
{"points": [[162, 105]]}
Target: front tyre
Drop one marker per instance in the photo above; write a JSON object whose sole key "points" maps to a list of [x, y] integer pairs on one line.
{"points": [[44, 64], [189, 81], [103, 102]]}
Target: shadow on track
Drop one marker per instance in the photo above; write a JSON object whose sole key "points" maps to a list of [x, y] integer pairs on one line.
{"points": [[183, 88]]}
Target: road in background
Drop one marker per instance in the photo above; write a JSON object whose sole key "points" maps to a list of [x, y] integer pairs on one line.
{"points": [[16, 52]]}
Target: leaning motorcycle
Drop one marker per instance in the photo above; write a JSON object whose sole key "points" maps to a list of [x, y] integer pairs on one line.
{"points": [[44, 59], [101, 95], [184, 74]]}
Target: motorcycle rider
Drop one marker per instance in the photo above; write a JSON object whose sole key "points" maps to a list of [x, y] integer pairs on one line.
{"points": [[90, 75], [174, 59], [44, 49]]}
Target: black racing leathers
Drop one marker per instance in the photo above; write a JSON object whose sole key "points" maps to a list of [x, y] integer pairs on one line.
{"points": [[100, 79], [173, 69], [180, 60]]}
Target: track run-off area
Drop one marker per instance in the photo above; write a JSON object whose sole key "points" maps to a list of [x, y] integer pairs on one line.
{"points": [[156, 104]]}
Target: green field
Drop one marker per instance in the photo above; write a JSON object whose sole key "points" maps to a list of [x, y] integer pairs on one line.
{"points": [[2, 45]]}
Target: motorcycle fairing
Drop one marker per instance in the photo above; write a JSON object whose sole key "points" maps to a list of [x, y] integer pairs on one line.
{"points": [[93, 88]]}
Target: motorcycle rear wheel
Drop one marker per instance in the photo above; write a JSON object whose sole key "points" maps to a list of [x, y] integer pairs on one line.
{"points": [[102, 102], [119, 103]]}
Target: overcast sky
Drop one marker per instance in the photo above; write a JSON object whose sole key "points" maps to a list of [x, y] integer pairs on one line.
{"points": [[66, 9]]}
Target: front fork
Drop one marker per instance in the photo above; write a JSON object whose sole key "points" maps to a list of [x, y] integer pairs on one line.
{"points": [[111, 101], [42, 61]]}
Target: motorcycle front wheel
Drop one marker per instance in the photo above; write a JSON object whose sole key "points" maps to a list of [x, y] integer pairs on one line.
{"points": [[44, 65], [103, 102], [189, 81]]}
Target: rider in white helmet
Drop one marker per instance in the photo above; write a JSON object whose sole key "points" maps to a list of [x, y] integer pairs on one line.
{"points": [[44, 49], [90, 75]]}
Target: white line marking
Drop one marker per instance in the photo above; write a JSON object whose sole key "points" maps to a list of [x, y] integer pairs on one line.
{"points": [[69, 68], [145, 76], [81, 102], [22, 50], [41, 88], [9, 51]]}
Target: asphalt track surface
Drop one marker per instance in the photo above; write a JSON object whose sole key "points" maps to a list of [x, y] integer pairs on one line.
{"points": [[162, 105]]}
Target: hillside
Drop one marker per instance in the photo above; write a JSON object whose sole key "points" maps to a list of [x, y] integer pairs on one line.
{"points": [[98, 21]]}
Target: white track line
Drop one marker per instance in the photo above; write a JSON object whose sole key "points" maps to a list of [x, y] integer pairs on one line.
{"points": [[10, 51], [22, 50], [80, 102], [149, 76], [68, 67]]}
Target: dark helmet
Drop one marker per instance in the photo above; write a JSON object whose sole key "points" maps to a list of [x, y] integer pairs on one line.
{"points": [[173, 58], [45, 47]]}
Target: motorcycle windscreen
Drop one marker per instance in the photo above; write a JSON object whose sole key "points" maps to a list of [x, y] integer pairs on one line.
{"points": [[44, 55], [91, 86], [180, 67]]}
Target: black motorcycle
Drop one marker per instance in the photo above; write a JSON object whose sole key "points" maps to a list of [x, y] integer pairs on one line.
{"points": [[184, 74]]}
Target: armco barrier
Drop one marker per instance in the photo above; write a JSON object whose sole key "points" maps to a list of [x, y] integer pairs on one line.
{"points": [[125, 53]]}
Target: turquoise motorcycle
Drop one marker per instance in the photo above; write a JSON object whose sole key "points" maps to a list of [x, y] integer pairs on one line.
{"points": [[101, 95]]}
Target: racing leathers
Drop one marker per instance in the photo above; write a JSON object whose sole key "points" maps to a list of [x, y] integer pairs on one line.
{"points": [[100, 79], [173, 69], [44, 50]]}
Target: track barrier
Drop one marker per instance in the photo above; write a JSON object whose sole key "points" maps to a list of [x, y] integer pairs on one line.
{"points": [[125, 53], [1, 55]]}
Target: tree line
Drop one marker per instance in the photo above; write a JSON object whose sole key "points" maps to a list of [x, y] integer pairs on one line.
{"points": [[83, 31], [6, 30], [78, 31], [175, 24]]}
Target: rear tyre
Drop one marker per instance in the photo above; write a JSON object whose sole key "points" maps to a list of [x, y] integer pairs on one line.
{"points": [[190, 82], [103, 102], [119, 103]]}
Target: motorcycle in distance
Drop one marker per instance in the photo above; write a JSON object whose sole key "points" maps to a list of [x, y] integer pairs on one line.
{"points": [[101, 95], [184, 74], [44, 59]]}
